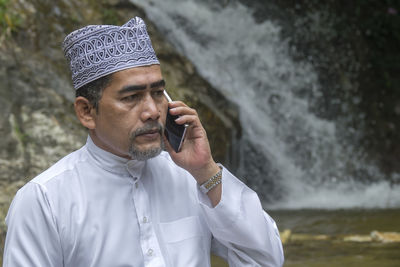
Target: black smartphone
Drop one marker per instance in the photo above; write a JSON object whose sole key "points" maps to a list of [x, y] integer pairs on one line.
{"points": [[174, 132]]}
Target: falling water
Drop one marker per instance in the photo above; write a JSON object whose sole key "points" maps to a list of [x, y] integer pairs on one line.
{"points": [[290, 156]]}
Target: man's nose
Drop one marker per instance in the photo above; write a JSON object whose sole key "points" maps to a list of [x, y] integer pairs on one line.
{"points": [[150, 109]]}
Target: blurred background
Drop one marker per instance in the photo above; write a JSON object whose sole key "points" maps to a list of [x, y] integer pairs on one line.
{"points": [[300, 99]]}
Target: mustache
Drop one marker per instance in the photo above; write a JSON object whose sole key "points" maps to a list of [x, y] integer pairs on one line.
{"points": [[149, 127]]}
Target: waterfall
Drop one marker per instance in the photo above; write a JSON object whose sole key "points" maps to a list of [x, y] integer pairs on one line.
{"points": [[289, 155]]}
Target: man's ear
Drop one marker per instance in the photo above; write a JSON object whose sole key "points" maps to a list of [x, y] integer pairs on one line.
{"points": [[85, 112]]}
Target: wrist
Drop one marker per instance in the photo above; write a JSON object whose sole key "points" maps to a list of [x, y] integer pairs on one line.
{"points": [[212, 176], [204, 174], [211, 183]]}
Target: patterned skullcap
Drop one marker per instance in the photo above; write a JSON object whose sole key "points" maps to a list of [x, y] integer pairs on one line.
{"points": [[98, 50]]}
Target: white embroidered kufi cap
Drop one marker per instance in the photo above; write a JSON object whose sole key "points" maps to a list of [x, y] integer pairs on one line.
{"points": [[98, 50]]}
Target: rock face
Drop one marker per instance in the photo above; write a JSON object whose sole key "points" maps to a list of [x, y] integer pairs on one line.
{"points": [[38, 124], [354, 48]]}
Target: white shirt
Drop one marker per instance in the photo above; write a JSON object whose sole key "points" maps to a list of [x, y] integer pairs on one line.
{"points": [[95, 209]]}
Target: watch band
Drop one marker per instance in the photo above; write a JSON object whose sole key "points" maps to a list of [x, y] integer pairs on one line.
{"points": [[212, 182]]}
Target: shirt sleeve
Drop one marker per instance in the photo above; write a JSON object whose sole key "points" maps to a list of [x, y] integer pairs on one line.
{"points": [[244, 234], [32, 238]]}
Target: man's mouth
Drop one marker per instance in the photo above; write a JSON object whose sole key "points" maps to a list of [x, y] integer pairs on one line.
{"points": [[150, 134]]}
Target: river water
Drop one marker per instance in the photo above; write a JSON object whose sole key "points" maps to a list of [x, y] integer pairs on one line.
{"points": [[336, 226], [318, 238]]}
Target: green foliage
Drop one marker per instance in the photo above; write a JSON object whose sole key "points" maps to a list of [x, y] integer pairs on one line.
{"points": [[110, 16], [9, 19], [23, 137], [3, 14]]}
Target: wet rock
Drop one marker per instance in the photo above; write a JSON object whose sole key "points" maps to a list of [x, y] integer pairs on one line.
{"points": [[285, 235], [357, 238], [375, 236], [385, 237], [308, 237]]}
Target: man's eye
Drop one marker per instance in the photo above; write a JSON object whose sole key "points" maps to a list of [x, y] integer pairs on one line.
{"points": [[130, 98], [158, 93]]}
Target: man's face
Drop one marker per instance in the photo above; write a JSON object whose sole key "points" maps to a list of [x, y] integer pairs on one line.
{"points": [[132, 112]]}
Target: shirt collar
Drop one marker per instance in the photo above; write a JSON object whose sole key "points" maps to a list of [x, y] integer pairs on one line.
{"points": [[114, 163]]}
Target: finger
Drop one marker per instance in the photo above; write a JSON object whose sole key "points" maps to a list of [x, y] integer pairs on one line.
{"points": [[192, 120], [174, 104], [180, 111]]}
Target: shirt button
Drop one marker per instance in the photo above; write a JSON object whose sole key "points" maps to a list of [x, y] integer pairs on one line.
{"points": [[144, 219], [150, 252]]}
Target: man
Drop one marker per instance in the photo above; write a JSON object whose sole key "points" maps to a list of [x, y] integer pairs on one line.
{"points": [[121, 200]]}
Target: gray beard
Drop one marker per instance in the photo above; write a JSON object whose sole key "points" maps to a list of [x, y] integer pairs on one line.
{"points": [[143, 155]]}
